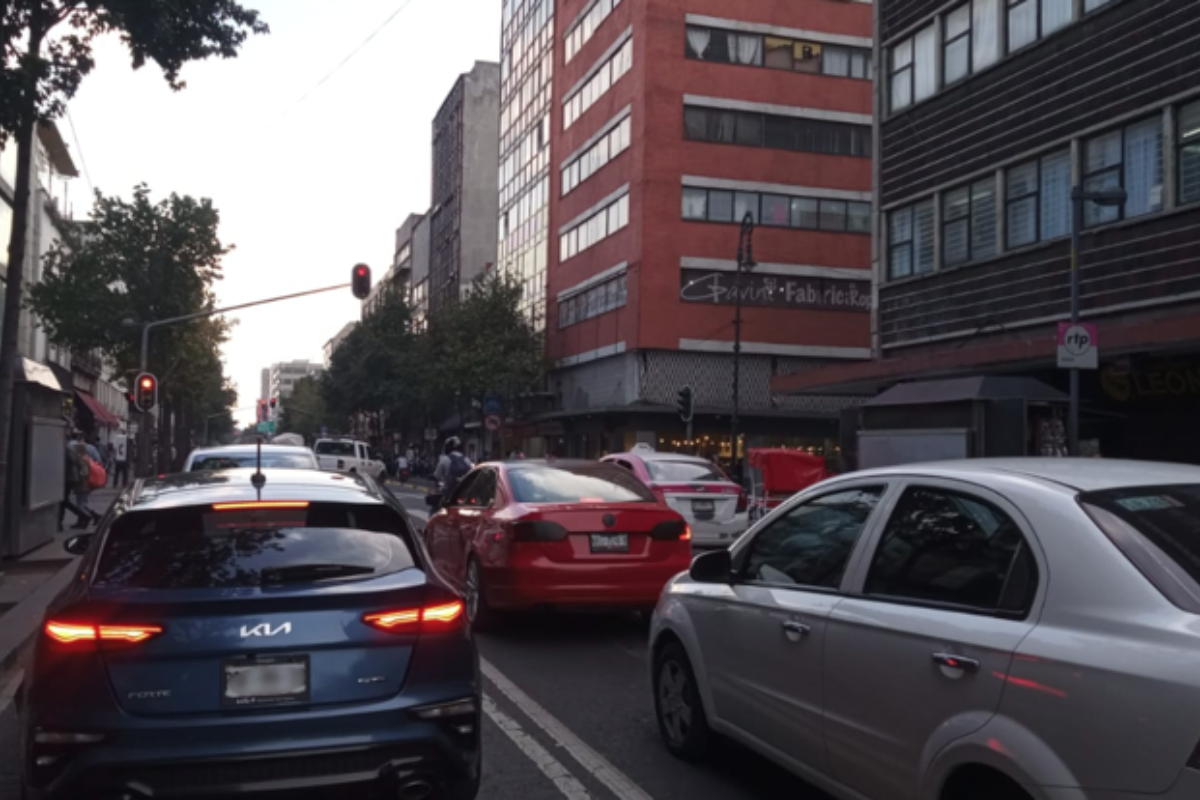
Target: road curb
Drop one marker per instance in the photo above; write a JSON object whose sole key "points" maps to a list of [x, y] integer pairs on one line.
{"points": [[20, 623]]}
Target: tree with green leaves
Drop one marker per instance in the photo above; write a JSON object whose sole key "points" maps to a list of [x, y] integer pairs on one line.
{"points": [[47, 54], [138, 260], [304, 410], [484, 344]]}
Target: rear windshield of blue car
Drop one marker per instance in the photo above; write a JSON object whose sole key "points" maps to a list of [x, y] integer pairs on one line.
{"points": [[582, 483], [203, 547]]}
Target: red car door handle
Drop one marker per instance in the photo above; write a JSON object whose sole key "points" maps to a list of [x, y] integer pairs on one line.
{"points": [[956, 662]]}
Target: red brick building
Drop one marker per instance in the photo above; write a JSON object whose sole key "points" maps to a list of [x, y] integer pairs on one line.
{"points": [[671, 119]]}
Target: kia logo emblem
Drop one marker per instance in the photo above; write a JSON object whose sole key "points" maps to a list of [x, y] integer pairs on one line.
{"points": [[609, 520]]}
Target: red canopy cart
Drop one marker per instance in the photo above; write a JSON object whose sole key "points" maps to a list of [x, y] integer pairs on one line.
{"points": [[777, 474]]}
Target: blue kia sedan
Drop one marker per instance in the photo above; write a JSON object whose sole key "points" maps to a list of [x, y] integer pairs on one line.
{"points": [[253, 633]]}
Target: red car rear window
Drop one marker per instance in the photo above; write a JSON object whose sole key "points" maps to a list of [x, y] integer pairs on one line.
{"points": [[666, 471], [593, 482]]}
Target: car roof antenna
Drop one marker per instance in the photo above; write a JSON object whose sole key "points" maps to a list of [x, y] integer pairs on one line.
{"points": [[258, 480]]}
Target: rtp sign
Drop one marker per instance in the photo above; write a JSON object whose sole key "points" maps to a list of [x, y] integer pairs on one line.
{"points": [[1078, 346]]}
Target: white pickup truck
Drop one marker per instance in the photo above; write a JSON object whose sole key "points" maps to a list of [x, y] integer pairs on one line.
{"points": [[347, 455]]}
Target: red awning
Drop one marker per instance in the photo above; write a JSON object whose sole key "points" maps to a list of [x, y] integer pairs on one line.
{"points": [[103, 415]]}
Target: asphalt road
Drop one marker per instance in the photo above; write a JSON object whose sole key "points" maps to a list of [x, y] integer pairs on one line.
{"points": [[568, 714]]}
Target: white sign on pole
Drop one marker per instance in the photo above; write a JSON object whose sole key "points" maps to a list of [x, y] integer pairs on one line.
{"points": [[1078, 345]]}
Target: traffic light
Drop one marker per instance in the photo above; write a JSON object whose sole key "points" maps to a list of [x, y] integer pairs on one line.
{"points": [[686, 403], [273, 402], [146, 391], [360, 281]]}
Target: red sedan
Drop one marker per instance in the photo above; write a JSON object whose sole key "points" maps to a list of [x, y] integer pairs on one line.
{"points": [[532, 534]]}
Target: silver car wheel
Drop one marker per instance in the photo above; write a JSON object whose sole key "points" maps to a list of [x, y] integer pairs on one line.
{"points": [[673, 705]]}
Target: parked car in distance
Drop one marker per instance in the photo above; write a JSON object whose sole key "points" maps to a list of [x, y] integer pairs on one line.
{"points": [[1022, 629], [240, 456], [562, 534], [225, 640], [347, 455], [715, 507]]}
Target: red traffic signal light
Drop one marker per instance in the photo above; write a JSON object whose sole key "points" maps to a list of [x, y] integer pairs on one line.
{"points": [[360, 281], [273, 401], [146, 392]]}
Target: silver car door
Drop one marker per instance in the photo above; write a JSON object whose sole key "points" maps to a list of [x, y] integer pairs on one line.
{"points": [[917, 656], [762, 642]]}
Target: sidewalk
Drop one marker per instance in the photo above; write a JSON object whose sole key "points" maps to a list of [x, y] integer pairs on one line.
{"points": [[28, 584]]}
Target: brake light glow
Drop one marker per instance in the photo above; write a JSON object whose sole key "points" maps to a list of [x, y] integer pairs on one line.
{"points": [[69, 633], [441, 617], [687, 534], [263, 504]]}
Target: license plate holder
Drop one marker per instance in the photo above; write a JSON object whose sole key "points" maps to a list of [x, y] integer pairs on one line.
{"points": [[609, 542], [704, 509], [256, 681]]}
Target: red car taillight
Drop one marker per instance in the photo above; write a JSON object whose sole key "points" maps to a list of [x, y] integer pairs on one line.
{"points": [[74, 632], [671, 530], [430, 619], [743, 502]]}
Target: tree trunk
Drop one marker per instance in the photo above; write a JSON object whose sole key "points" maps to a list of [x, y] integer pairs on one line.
{"points": [[10, 333]]}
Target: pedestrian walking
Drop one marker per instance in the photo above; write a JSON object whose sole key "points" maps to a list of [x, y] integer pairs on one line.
{"points": [[75, 471], [120, 470], [110, 457], [82, 484]]}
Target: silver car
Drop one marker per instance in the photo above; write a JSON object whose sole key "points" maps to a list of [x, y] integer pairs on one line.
{"points": [[982, 630]]}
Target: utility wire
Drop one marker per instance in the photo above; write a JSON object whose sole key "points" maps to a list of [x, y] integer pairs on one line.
{"points": [[352, 54], [83, 161]]}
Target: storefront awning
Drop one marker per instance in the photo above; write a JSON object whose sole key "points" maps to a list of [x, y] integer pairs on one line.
{"points": [[957, 390], [103, 416]]}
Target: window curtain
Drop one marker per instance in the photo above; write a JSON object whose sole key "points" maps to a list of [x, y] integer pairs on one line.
{"points": [[900, 224], [926, 66], [1056, 196], [1056, 14], [1022, 24], [749, 50], [985, 30], [697, 41], [1022, 205], [956, 226], [983, 219], [836, 61], [923, 238], [1143, 167]]}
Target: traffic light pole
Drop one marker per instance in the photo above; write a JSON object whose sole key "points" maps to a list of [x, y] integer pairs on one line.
{"points": [[143, 465], [745, 260]]}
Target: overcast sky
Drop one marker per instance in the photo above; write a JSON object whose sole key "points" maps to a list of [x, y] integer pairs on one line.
{"points": [[305, 189]]}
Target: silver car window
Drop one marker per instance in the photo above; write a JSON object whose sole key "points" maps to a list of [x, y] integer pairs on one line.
{"points": [[811, 544], [951, 548]]}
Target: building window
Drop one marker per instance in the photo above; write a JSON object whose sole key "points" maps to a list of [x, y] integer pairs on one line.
{"points": [[1038, 200], [1189, 154], [1129, 157], [1030, 20], [583, 31], [775, 210], [783, 133], [956, 53], [609, 146], [910, 240], [609, 73], [969, 223], [913, 68], [604, 223], [985, 33], [607, 296], [777, 52]]}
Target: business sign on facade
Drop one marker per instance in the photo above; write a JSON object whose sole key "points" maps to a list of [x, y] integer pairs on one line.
{"points": [[775, 291], [1078, 345]]}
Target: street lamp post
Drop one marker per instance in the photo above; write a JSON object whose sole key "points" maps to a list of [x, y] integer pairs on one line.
{"points": [[745, 261], [1079, 196]]}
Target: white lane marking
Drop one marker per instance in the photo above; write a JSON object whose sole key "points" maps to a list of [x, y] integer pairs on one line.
{"points": [[616, 781], [550, 766], [10, 690]]}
